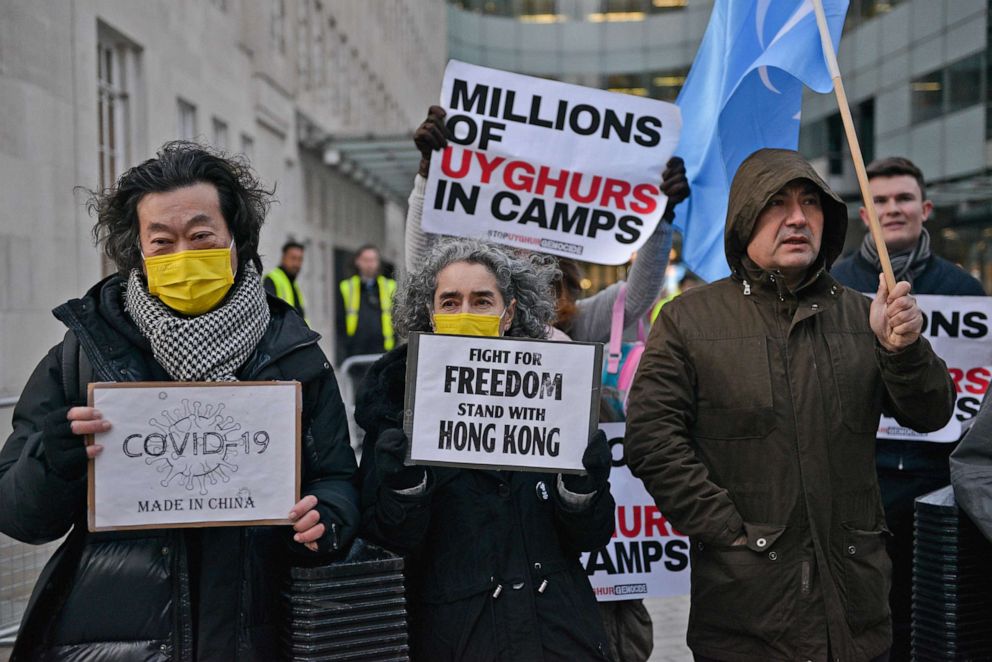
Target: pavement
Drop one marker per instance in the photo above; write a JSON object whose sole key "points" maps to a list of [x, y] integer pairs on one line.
{"points": [[670, 617]]}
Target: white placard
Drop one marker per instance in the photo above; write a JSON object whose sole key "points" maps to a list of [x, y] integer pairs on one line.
{"points": [[501, 402], [647, 557], [181, 454], [958, 330], [548, 166]]}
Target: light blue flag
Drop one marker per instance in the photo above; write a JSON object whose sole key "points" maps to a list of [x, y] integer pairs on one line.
{"points": [[744, 92]]}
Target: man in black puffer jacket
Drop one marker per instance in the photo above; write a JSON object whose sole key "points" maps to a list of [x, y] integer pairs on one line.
{"points": [[170, 594]]}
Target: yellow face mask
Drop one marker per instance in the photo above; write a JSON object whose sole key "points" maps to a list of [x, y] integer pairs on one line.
{"points": [[190, 282], [468, 324]]}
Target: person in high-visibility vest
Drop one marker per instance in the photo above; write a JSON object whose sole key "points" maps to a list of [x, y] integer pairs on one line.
{"points": [[281, 281], [365, 309]]}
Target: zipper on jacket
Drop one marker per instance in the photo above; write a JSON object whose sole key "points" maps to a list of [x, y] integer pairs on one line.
{"points": [[805, 578], [747, 288]]}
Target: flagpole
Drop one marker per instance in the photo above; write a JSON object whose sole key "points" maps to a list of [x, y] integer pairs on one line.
{"points": [[852, 140]]}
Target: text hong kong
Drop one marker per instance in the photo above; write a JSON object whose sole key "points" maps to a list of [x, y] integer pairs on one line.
{"points": [[516, 438]]}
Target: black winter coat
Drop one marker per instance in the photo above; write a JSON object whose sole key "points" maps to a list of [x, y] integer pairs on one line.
{"points": [[939, 277], [164, 594], [492, 556]]}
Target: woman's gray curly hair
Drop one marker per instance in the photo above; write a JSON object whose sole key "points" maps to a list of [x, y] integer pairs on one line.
{"points": [[527, 278]]}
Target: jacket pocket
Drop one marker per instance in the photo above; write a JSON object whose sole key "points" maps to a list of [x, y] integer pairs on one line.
{"points": [[457, 630], [734, 389], [734, 424], [744, 590], [856, 378], [866, 577], [121, 590]]}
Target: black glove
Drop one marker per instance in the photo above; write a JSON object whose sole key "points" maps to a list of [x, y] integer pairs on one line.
{"points": [[674, 185], [597, 461], [65, 451], [390, 452], [331, 540], [431, 136]]}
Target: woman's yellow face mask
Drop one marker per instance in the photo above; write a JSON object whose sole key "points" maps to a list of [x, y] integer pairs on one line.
{"points": [[467, 301]]}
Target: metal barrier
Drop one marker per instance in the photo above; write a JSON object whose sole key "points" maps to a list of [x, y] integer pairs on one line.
{"points": [[350, 375], [20, 565]]}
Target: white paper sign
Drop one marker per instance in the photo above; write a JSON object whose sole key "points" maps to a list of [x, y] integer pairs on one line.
{"points": [[548, 166], [647, 557], [958, 330], [186, 455], [501, 402]]}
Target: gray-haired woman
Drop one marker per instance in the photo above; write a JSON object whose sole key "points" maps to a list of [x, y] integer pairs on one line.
{"points": [[492, 570]]}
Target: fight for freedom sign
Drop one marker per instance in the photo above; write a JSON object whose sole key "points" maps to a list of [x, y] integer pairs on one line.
{"points": [[491, 403], [195, 454], [548, 166], [958, 330], [647, 557]]}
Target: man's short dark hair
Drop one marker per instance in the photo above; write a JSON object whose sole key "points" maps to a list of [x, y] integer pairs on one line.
{"points": [[289, 245], [367, 247], [243, 200], [895, 166]]}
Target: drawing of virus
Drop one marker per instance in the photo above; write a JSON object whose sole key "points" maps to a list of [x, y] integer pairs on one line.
{"points": [[196, 449]]}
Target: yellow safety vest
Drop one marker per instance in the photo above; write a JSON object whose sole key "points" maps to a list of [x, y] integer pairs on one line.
{"points": [[288, 291], [658, 306], [351, 293]]}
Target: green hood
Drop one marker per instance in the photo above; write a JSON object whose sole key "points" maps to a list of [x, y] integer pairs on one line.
{"points": [[758, 178]]}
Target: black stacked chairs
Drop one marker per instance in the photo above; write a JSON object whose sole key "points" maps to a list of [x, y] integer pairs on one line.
{"points": [[952, 583]]}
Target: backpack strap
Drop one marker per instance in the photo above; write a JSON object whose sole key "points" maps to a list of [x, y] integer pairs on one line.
{"points": [[77, 371], [616, 332]]}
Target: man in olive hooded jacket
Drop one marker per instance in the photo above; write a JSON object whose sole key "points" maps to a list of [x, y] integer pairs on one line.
{"points": [[752, 424]]}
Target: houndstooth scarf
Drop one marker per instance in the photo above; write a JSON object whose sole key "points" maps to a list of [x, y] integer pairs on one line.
{"points": [[206, 348], [906, 265]]}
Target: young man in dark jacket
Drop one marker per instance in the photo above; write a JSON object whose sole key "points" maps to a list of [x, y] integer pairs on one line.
{"points": [[906, 469], [752, 422], [170, 594]]}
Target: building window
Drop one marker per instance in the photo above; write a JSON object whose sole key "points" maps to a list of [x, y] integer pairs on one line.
{"points": [[248, 146], [221, 141], [964, 83], [612, 11], [635, 84], [666, 85], [859, 11], [662, 6], [277, 26], [663, 85], [865, 121], [955, 87], [186, 124], [540, 11], [824, 138], [117, 70]]}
